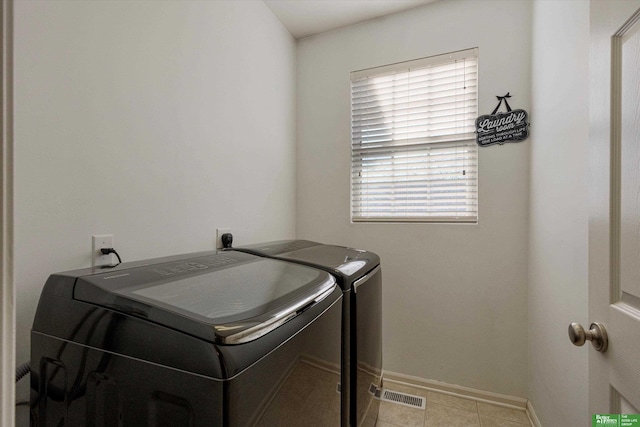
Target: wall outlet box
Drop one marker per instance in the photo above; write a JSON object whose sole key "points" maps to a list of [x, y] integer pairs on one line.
{"points": [[98, 242], [219, 233]]}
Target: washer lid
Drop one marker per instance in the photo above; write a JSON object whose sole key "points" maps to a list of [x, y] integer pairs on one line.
{"points": [[228, 298]]}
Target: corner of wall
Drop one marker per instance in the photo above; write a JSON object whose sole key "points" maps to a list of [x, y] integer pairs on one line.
{"points": [[558, 206], [7, 289]]}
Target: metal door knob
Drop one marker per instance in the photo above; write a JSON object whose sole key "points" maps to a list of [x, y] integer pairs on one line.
{"points": [[597, 334]]}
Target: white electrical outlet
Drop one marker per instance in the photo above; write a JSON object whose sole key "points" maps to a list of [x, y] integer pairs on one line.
{"points": [[219, 233], [98, 242]]}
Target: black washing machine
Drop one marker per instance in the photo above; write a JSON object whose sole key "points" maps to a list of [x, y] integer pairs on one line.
{"points": [[358, 274], [205, 339]]}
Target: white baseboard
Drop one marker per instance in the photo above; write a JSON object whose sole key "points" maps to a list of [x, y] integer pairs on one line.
{"points": [[457, 390], [535, 422], [465, 392]]}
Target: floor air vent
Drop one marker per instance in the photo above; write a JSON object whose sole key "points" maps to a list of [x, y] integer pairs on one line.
{"points": [[404, 399]]}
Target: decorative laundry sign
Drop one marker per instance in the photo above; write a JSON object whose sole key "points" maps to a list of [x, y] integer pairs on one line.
{"points": [[498, 128]]}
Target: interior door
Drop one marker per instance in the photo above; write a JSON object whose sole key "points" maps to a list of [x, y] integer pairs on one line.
{"points": [[614, 217]]}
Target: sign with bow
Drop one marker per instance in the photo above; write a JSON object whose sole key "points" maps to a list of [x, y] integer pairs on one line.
{"points": [[498, 128]]}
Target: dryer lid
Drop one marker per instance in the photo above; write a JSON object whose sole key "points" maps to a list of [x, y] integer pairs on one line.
{"points": [[228, 298], [348, 263]]}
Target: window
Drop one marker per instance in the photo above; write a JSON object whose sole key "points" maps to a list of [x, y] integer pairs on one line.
{"points": [[413, 150]]}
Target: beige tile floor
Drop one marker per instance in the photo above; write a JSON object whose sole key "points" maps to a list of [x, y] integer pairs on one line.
{"points": [[315, 402], [447, 411]]}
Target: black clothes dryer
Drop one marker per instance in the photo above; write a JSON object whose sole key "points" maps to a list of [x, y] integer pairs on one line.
{"points": [[358, 274], [205, 339]]}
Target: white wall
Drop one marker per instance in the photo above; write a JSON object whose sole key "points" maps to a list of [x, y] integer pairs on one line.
{"points": [[131, 117], [558, 269], [454, 296], [154, 121]]}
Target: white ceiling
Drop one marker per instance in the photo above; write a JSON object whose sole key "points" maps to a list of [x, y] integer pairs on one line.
{"points": [[307, 17]]}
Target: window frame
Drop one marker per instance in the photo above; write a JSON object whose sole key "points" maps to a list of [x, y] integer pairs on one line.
{"points": [[468, 144]]}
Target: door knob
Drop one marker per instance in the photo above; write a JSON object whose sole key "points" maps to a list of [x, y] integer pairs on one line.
{"points": [[597, 334]]}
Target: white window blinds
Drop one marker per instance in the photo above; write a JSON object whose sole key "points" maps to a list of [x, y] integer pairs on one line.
{"points": [[413, 150]]}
